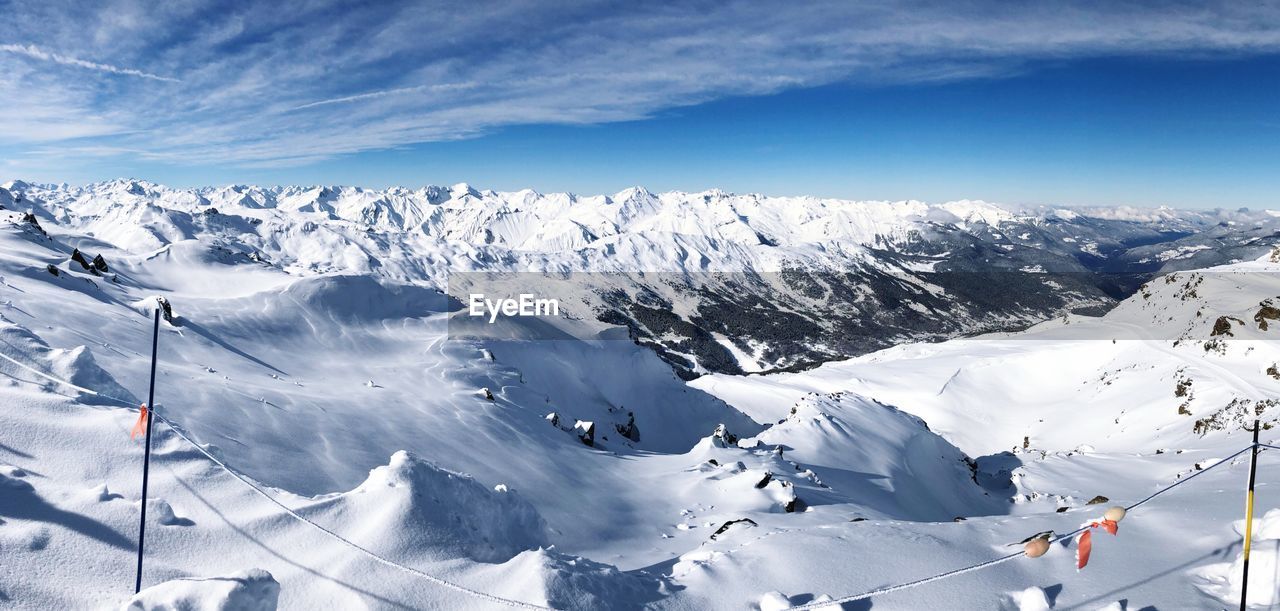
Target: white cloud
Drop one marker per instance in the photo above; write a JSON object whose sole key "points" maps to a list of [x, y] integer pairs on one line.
{"points": [[35, 52], [297, 80], [386, 92]]}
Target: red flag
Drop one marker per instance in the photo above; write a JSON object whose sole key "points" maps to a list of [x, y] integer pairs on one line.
{"points": [[140, 427], [1084, 543]]}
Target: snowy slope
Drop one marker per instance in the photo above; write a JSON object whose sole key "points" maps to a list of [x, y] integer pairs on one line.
{"points": [[316, 384], [311, 355], [1139, 378], [1116, 406]]}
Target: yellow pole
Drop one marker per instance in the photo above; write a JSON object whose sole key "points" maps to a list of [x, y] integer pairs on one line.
{"points": [[1248, 518]]}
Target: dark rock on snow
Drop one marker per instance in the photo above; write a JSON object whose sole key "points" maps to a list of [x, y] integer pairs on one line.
{"points": [[78, 257], [586, 432]]}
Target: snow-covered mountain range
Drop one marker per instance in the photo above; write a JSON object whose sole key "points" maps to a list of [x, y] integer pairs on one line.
{"points": [[308, 348], [823, 279]]}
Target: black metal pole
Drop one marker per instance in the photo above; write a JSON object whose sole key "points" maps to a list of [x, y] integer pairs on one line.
{"points": [[1248, 518], [146, 457]]}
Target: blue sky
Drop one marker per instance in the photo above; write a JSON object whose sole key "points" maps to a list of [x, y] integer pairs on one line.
{"points": [[1087, 104]]}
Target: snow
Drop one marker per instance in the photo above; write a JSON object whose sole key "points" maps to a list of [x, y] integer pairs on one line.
{"points": [[747, 362], [1223, 580], [1030, 599], [420, 234], [1183, 252], [313, 357], [251, 590], [411, 505]]}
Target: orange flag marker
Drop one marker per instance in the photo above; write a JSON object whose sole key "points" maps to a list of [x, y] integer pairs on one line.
{"points": [[140, 427], [1084, 542]]}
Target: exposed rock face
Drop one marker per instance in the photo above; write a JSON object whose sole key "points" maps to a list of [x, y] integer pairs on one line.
{"points": [[586, 432], [53, 269], [166, 310], [795, 502], [724, 437], [99, 263], [724, 528], [1184, 392], [1265, 313], [1222, 326], [764, 481], [1239, 413], [78, 257], [629, 430], [30, 219]]}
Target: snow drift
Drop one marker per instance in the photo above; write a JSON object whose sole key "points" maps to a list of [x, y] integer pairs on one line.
{"points": [[886, 459], [75, 365], [411, 507], [251, 590], [1223, 580]]}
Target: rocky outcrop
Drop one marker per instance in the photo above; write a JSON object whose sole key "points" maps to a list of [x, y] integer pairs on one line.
{"points": [[629, 430], [586, 431], [724, 528], [78, 257], [1222, 326], [31, 221], [1266, 312], [723, 437], [1238, 414], [166, 309]]}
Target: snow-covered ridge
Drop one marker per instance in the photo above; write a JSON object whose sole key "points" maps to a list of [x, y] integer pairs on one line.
{"points": [[530, 221], [884, 253]]}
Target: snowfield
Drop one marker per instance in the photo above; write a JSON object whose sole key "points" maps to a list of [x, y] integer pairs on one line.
{"points": [[313, 359]]}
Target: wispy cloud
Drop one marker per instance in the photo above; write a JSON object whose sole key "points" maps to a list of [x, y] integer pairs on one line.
{"points": [[401, 72], [373, 95], [35, 52]]}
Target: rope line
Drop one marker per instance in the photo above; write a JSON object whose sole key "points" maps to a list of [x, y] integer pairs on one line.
{"points": [[1187, 479], [1003, 559], [63, 382], [375, 556], [904, 586], [264, 494], [523, 605]]}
